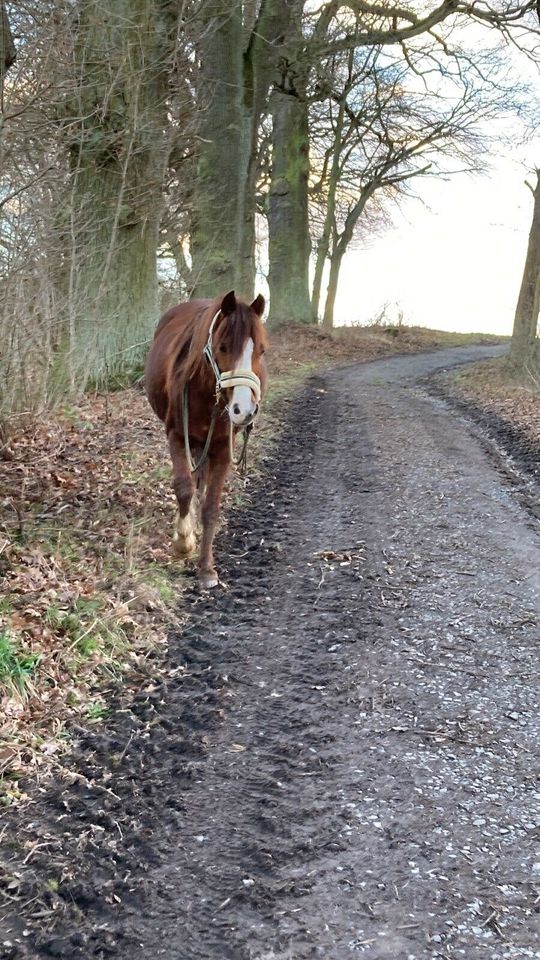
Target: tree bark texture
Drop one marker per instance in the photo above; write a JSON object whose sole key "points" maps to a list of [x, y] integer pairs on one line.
{"points": [[329, 217], [237, 68], [118, 151], [223, 153], [333, 280], [525, 346], [259, 65], [330, 213], [340, 244], [288, 226], [7, 47]]}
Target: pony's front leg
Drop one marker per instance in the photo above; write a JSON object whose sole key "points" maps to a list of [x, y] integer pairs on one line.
{"points": [[218, 469], [183, 485]]}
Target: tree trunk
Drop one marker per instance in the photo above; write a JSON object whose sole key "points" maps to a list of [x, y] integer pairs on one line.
{"points": [[222, 159], [288, 227], [262, 53], [235, 80], [339, 248], [333, 280], [524, 346], [7, 50], [7, 47], [323, 248], [329, 217], [246, 240], [324, 242], [118, 149]]}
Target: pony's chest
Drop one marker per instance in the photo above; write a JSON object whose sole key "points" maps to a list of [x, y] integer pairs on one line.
{"points": [[202, 414]]}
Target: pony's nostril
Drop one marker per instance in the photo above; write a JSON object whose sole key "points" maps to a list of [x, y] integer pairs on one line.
{"points": [[236, 409]]}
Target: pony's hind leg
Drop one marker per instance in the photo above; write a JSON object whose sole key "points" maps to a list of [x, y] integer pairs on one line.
{"points": [[217, 472], [183, 544]]}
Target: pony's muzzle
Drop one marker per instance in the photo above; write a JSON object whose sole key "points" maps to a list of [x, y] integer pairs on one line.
{"points": [[242, 418], [246, 394], [238, 412]]}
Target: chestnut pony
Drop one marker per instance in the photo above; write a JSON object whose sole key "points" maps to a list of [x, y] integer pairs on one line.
{"points": [[205, 376]]}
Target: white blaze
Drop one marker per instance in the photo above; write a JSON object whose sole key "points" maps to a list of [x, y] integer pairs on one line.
{"points": [[243, 404]]}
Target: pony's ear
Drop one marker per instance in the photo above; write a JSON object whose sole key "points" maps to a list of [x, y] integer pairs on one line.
{"points": [[258, 305], [228, 304]]}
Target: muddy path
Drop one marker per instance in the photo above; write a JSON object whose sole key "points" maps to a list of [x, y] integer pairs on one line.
{"points": [[343, 759]]}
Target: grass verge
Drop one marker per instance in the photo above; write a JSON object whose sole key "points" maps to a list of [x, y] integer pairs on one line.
{"points": [[493, 387]]}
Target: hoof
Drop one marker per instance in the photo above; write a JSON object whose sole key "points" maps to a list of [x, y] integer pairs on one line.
{"points": [[183, 546], [208, 579]]}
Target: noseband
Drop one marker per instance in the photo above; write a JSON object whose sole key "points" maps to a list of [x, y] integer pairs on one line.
{"points": [[224, 381]]}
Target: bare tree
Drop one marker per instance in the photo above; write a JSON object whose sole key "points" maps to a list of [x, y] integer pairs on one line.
{"points": [[426, 45], [159, 129], [32, 169], [389, 129], [88, 126], [525, 346], [116, 129]]}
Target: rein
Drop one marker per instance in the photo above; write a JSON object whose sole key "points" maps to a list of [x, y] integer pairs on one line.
{"points": [[224, 381]]}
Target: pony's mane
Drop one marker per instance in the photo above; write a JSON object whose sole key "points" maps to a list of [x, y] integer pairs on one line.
{"points": [[232, 331]]}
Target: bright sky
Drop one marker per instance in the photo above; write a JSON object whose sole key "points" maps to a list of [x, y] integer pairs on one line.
{"points": [[453, 259], [453, 262]]}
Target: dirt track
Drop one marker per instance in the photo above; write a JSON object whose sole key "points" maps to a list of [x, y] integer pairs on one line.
{"points": [[350, 764]]}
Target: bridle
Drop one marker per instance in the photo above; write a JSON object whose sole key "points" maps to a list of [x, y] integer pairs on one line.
{"points": [[224, 381], [231, 378]]}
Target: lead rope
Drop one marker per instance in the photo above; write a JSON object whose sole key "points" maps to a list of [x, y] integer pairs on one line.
{"points": [[185, 424], [242, 459], [230, 378]]}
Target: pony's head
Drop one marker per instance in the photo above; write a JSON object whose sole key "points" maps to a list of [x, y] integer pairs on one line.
{"points": [[238, 344]]}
